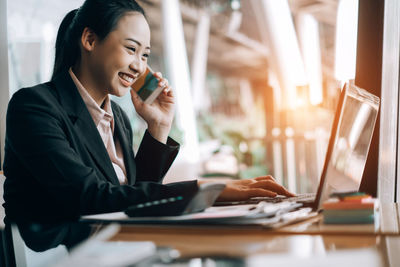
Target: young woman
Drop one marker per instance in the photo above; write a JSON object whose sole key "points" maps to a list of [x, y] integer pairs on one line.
{"points": [[68, 149]]}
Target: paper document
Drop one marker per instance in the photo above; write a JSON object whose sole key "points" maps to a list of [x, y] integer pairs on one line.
{"points": [[265, 214]]}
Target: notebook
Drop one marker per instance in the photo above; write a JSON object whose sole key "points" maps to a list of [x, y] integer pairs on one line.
{"points": [[348, 146]]}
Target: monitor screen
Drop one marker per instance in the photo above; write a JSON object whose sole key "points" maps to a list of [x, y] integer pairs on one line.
{"points": [[352, 136]]}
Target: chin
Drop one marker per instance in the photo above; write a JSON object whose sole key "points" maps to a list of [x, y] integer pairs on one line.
{"points": [[122, 91]]}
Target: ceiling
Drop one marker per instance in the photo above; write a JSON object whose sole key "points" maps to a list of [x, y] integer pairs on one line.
{"points": [[241, 54]]}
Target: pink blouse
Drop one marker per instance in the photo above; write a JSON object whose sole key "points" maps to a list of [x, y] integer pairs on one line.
{"points": [[104, 121]]}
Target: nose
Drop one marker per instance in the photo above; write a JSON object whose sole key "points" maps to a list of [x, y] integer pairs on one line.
{"points": [[137, 66]]}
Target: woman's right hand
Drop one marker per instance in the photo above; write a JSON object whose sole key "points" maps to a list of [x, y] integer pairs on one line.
{"points": [[264, 186], [159, 114]]}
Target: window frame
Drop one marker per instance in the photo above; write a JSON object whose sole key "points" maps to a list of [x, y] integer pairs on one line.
{"points": [[4, 78]]}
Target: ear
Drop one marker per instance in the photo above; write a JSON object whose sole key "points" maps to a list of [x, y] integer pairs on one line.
{"points": [[88, 39]]}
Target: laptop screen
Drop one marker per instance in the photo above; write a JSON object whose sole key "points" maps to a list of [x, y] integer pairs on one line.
{"points": [[348, 147]]}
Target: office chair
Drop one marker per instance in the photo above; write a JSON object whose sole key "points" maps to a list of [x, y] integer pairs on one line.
{"points": [[14, 252], [2, 226], [7, 248]]}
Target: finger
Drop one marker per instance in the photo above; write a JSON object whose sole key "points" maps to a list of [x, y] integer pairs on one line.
{"points": [[259, 192], [168, 91], [265, 184], [281, 190], [163, 83], [262, 178], [158, 74], [166, 98], [135, 98], [273, 186]]}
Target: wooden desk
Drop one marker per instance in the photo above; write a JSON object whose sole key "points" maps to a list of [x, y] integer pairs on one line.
{"points": [[255, 245], [303, 244]]}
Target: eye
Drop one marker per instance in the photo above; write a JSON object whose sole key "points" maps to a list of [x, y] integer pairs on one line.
{"points": [[146, 55], [133, 49]]}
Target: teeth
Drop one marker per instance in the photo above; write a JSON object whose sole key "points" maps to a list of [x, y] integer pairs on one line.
{"points": [[126, 78]]}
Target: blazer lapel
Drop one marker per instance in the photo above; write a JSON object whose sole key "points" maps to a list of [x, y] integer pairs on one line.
{"points": [[76, 109], [121, 132]]}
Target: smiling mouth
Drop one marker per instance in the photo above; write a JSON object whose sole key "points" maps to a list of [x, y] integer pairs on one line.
{"points": [[127, 79]]}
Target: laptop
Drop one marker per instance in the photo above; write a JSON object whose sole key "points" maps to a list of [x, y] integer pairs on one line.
{"points": [[347, 151]]}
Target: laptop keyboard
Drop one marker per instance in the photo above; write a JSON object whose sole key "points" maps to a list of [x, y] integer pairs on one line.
{"points": [[304, 198]]}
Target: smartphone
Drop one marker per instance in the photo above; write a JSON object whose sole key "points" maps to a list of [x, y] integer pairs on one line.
{"points": [[146, 86]]}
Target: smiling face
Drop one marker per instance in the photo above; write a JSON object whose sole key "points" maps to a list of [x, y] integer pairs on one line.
{"points": [[118, 60]]}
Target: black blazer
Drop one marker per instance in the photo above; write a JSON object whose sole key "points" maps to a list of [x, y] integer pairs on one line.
{"points": [[56, 164]]}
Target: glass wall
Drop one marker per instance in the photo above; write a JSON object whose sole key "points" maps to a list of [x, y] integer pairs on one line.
{"points": [[32, 29]]}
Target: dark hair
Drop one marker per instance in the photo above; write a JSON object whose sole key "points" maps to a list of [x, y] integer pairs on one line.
{"points": [[101, 16]]}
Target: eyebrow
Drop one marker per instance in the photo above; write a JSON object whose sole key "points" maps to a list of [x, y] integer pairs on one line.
{"points": [[135, 41]]}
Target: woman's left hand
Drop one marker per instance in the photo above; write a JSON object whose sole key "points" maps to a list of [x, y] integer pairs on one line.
{"points": [[264, 186], [159, 114]]}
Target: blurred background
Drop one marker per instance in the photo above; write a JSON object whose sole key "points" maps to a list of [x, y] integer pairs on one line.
{"points": [[256, 81]]}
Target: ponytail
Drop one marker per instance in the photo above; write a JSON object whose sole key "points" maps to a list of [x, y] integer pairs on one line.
{"points": [[67, 48]]}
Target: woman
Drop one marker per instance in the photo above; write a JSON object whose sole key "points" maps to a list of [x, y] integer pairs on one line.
{"points": [[68, 149]]}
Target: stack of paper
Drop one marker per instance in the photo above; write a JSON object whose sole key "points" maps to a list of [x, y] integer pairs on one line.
{"points": [[354, 209], [268, 215]]}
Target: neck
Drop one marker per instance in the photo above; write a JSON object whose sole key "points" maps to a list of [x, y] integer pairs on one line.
{"points": [[86, 79]]}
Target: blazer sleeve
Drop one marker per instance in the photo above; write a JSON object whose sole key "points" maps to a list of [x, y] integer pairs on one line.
{"points": [[153, 158], [37, 136], [153, 153]]}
